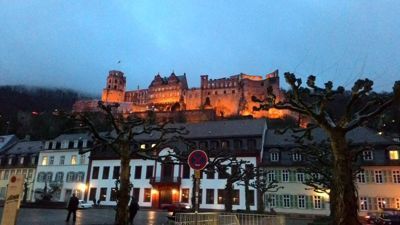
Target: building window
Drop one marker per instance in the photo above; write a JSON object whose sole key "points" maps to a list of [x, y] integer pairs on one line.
{"points": [[40, 178], [368, 155], [149, 172], [237, 144], [285, 175], [271, 176], [286, 201], [203, 145], [393, 155], [185, 195], [103, 194], [82, 159], [361, 176], [251, 144], [10, 161], [62, 160], [147, 195], [73, 160], [221, 196], [317, 202], [138, 172], [95, 173], [236, 197], [45, 161], [363, 203], [251, 197], [396, 176], [21, 160], [271, 200], [210, 174], [80, 176], [106, 171], [113, 196], [30, 173], [59, 177], [301, 201], [49, 176], [274, 156], [116, 172], [185, 171], [225, 144], [378, 177], [51, 161], [296, 157], [300, 177], [70, 177], [381, 203], [33, 160], [209, 196], [397, 203]]}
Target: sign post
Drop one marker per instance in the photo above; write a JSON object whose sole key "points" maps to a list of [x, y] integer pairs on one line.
{"points": [[197, 160], [13, 199]]}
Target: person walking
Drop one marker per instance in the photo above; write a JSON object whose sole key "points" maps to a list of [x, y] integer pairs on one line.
{"points": [[133, 208], [72, 207]]}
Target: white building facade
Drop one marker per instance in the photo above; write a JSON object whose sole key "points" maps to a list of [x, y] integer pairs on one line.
{"points": [[62, 169]]}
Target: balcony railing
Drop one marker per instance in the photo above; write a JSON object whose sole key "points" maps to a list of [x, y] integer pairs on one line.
{"points": [[165, 181]]}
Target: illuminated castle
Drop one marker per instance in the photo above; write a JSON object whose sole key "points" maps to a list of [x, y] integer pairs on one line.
{"points": [[229, 96]]}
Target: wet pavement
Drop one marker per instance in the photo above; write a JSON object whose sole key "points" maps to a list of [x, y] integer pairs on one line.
{"points": [[105, 216]]}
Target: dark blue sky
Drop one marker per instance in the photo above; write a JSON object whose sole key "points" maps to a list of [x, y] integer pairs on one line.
{"points": [[75, 43]]}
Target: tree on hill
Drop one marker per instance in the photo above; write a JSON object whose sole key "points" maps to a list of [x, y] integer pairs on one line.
{"points": [[313, 102]]}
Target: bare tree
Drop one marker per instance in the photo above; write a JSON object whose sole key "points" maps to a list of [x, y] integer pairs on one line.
{"points": [[122, 141], [313, 102]]}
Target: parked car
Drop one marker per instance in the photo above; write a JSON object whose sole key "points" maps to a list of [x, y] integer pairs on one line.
{"points": [[175, 206], [388, 216], [84, 205]]}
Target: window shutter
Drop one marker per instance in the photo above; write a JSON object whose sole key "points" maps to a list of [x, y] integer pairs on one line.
{"points": [[392, 203], [279, 199], [278, 176], [292, 203], [295, 201], [309, 203], [292, 176], [386, 177], [369, 203], [322, 203], [374, 206]]}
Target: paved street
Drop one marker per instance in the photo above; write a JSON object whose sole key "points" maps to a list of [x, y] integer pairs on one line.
{"points": [[29, 216]]}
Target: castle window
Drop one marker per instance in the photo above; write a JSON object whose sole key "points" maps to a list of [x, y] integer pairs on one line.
{"points": [[224, 91], [233, 91], [216, 92], [208, 93]]}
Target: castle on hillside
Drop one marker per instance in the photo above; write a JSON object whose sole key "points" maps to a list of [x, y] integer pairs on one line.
{"points": [[227, 97]]}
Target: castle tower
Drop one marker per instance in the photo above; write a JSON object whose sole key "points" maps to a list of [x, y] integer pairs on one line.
{"points": [[115, 87]]}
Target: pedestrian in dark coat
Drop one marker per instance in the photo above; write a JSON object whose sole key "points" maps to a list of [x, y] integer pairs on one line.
{"points": [[72, 207], [133, 208]]}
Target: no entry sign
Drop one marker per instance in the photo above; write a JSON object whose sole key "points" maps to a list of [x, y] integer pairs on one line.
{"points": [[198, 160]]}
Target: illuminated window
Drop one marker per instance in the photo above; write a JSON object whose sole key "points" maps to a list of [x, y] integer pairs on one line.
{"points": [[143, 146], [147, 195], [185, 195], [73, 160], [45, 161], [221, 196], [394, 155], [381, 203], [236, 197]]}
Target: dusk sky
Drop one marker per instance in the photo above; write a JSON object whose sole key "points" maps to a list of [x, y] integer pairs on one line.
{"points": [[74, 44]]}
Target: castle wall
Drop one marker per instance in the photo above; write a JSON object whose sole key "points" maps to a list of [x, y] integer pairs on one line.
{"points": [[110, 95]]}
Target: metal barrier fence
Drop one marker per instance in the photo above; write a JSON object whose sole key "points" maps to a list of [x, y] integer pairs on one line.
{"points": [[228, 219]]}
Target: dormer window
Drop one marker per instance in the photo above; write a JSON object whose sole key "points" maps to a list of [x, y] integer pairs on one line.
{"points": [[45, 161], [10, 161], [21, 160], [368, 155], [296, 156], [394, 155], [274, 156]]}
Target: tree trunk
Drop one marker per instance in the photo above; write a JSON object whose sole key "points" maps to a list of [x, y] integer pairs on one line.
{"points": [[123, 193], [345, 200], [332, 205], [260, 201], [247, 193], [228, 196]]}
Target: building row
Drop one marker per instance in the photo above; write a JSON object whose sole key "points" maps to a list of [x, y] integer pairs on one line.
{"points": [[64, 165]]}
